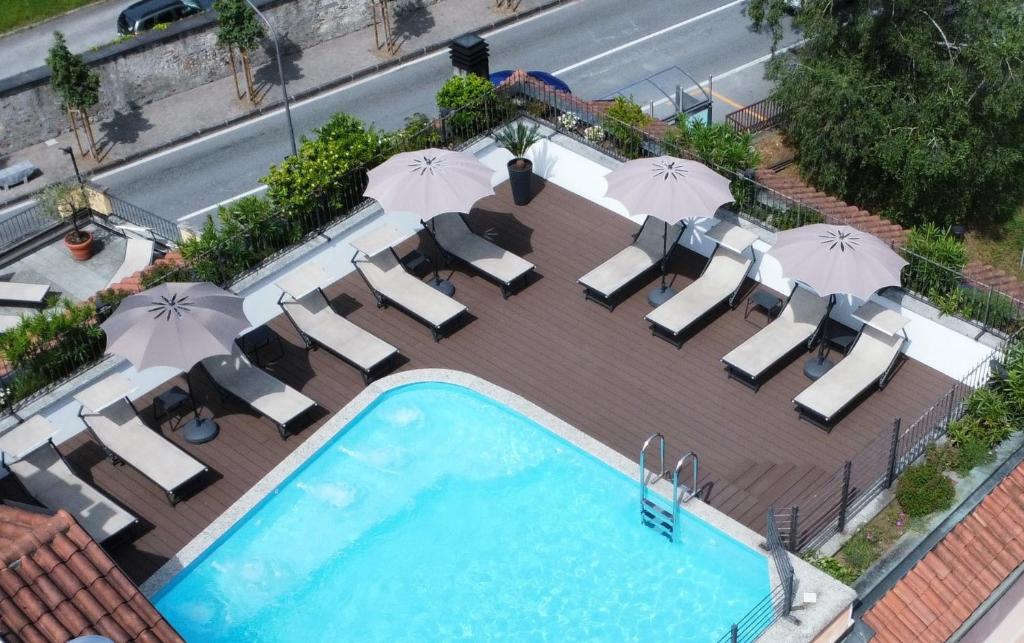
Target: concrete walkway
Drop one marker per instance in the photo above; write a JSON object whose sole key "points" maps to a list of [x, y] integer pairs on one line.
{"points": [[164, 123]]}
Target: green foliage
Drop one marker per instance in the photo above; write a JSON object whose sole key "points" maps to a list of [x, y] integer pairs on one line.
{"points": [[164, 273], [938, 245], [971, 454], [624, 121], [518, 138], [922, 490], [49, 346], [859, 551], [237, 25], [474, 102], [250, 231], [321, 175], [419, 132], [910, 108], [717, 145], [72, 80], [833, 567], [986, 420], [18, 13]]}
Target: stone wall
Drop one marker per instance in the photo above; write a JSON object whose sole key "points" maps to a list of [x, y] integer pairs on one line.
{"points": [[158, 64]]}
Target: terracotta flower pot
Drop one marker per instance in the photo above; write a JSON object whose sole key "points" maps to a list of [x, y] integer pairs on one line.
{"points": [[79, 251]]}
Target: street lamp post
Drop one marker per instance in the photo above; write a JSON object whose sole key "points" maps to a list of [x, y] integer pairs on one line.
{"points": [[70, 152], [280, 72]]}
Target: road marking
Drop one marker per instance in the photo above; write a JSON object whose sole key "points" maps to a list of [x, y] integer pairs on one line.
{"points": [[192, 215], [727, 100], [662, 32]]}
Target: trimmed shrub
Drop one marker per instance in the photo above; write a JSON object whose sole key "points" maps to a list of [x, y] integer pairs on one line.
{"points": [[935, 243], [922, 490], [717, 145], [623, 122], [474, 102]]}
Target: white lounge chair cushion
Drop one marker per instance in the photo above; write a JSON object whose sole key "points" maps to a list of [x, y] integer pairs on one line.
{"points": [[159, 459], [630, 262], [387, 276], [794, 325], [721, 278], [261, 390], [25, 293], [52, 483], [864, 366], [455, 237], [138, 253], [315, 318]]}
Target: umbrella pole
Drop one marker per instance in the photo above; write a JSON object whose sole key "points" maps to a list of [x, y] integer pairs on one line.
{"points": [[664, 254], [818, 366], [660, 294], [199, 429], [441, 285]]}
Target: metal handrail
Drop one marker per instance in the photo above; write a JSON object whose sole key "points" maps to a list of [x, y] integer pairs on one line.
{"points": [[689, 492], [645, 476]]}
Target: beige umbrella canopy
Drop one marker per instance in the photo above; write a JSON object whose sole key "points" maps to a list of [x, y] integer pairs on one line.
{"points": [[670, 189], [428, 183]]}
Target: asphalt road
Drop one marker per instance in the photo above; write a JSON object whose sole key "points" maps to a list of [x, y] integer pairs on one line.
{"points": [[90, 26], [596, 46]]}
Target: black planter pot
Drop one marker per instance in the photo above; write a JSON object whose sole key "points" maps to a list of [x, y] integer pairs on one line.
{"points": [[521, 180]]}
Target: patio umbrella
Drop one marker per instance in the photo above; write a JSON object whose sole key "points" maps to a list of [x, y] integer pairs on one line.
{"points": [[177, 325], [428, 183], [670, 189], [835, 259]]}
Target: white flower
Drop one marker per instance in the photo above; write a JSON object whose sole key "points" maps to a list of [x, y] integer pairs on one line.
{"points": [[594, 133], [568, 120]]}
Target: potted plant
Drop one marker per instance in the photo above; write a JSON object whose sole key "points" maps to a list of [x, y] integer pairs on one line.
{"points": [[518, 139], [64, 202]]}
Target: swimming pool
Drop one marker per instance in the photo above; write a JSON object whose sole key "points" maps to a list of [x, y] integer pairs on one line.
{"points": [[440, 514]]}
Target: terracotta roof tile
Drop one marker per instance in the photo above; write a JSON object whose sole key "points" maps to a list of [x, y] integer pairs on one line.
{"points": [[946, 586], [56, 584]]}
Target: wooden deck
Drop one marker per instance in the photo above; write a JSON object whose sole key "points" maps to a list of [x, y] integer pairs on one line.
{"points": [[601, 371]]}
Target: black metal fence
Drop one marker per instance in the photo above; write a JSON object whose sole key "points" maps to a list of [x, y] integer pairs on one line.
{"points": [[163, 230], [872, 470], [756, 117], [24, 225]]}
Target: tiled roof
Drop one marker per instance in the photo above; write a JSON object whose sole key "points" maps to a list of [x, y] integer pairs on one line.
{"points": [[56, 583], [946, 586]]}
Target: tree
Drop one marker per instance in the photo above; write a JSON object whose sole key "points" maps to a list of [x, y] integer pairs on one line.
{"points": [[239, 28], [912, 108], [77, 86]]}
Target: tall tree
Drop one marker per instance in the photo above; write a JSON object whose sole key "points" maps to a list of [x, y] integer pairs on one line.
{"points": [[239, 28], [77, 86], [914, 108]]}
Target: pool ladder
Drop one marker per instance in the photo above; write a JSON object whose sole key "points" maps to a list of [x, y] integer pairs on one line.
{"points": [[653, 514]]}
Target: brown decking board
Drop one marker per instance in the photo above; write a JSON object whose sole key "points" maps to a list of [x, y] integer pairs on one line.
{"points": [[601, 371]]}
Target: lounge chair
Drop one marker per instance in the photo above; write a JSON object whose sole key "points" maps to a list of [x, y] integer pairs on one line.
{"points": [[235, 374], [390, 283], [646, 253], [125, 438], [46, 475], [871, 361], [30, 294], [456, 239], [720, 282], [306, 305], [138, 254], [799, 324]]}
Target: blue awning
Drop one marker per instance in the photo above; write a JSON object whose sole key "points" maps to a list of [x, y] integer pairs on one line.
{"points": [[499, 77]]}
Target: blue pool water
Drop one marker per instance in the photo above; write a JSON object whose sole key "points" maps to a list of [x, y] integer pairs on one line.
{"points": [[440, 514]]}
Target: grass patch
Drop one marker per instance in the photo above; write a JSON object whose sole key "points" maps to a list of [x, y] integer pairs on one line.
{"points": [[18, 13], [865, 546], [1000, 247]]}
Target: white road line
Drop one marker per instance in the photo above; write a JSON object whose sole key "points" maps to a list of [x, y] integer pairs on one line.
{"points": [[662, 32], [192, 215]]}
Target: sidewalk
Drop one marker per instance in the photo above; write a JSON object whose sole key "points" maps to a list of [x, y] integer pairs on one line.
{"points": [[213, 106]]}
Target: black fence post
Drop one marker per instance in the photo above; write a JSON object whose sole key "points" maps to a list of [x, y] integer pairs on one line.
{"points": [[894, 444], [794, 529], [844, 502], [952, 405], [734, 633]]}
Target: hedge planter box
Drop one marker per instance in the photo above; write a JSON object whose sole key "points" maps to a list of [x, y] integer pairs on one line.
{"points": [[520, 177]]}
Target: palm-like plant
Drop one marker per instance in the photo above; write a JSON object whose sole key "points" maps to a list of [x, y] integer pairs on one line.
{"points": [[518, 138]]}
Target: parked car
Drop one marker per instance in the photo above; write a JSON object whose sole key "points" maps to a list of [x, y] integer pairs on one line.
{"points": [[144, 15]]}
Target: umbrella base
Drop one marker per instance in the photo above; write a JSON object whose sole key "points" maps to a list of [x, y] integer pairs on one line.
{"points": [[443, 286], [817, 366], [659, 295], [200, 430]]}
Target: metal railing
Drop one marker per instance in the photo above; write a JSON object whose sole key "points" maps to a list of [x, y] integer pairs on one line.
{"points": [[165, 231], [24, 225], [756, 117], [875, 468], [760, 617]]}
